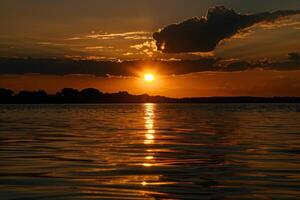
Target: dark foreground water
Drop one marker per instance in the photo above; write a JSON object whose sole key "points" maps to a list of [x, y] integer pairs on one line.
{"points": [[149, 151]]}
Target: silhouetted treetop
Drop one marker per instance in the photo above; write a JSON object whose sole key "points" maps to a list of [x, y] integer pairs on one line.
{"points": [[90, 92], [91, 95], [69, 92], [5, 93]]}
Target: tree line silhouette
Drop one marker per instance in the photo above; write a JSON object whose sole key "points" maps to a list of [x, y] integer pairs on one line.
{"points": [[70, 95], [91, 95]]}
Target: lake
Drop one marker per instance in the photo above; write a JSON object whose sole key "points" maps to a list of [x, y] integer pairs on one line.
{"points": [[150, 151]]}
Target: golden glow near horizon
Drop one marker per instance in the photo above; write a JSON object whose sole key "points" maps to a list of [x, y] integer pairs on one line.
{"points": [[149, 77]]}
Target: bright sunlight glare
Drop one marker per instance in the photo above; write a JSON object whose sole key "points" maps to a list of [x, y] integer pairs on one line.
{"points": [[149, 77]]}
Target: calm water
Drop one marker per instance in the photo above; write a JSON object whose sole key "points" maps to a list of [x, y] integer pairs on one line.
{"points": [[150, 151]]}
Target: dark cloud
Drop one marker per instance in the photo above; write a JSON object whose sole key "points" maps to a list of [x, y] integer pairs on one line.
{"points": [[237, 66], [133, 68], [282, 66], [101, 68], [294, 56], [204, 34]]}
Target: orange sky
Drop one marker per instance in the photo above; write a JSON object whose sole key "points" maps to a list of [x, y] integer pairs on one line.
{"points": [[253, 83], [122, 30]]}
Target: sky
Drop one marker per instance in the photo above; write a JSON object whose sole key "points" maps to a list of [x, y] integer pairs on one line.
{"points": [[193, 47]]}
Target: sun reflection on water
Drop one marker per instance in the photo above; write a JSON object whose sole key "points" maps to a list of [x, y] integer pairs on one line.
{"points": [[149, 136], [149, 123]]}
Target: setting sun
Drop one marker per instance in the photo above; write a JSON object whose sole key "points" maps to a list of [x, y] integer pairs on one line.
{"points": [[149, 77], [173, 99]]}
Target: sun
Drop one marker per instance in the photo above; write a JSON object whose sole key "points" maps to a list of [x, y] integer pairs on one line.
{"points": [[149, 77]]}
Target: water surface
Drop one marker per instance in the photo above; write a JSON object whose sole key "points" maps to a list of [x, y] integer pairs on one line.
{"points": [[150, 151]]}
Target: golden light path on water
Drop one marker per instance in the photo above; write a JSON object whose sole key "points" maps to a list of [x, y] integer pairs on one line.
{"points": [[149, 136], [149, 142], [146, 168]]}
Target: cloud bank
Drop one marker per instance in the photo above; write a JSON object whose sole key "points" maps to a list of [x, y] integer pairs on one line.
{"points": [[204, 34], [134, 67]]}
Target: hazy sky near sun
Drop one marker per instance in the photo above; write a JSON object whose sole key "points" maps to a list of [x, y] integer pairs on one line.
{"points": [[118, 30]]}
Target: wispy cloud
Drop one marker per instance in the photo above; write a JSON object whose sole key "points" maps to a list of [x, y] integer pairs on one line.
{"points": [[204, 54], [138, 37], [98, 47], [128, 54], [148, 44], [134, 35], [73, 38], [290, 21], [147, 48], [51, 44]]}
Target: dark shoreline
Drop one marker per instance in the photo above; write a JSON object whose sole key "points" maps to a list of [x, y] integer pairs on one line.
{"points": [[94, 96]]}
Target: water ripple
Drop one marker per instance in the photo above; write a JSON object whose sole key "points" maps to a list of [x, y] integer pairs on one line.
{"points": [[149, 151]]}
